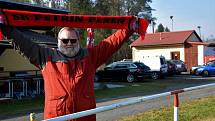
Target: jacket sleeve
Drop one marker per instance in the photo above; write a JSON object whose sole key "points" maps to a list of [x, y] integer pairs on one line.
{"points": [[36, 54], [106, 48]]}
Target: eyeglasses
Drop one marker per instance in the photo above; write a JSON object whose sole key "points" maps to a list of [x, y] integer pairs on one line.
{"points": [[66, 41]]}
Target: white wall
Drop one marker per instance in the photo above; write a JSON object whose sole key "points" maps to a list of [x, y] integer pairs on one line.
{"points": [[200, 54], [166, 52]]}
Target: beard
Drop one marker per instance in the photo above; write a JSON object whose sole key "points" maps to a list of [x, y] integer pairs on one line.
{"points": [[70, 51]]}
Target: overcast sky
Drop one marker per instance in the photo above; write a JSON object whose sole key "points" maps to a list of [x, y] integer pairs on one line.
{"points": [[187, 15]]}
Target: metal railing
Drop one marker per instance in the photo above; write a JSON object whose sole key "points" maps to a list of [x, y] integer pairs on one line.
{"points": [[130, 102]]}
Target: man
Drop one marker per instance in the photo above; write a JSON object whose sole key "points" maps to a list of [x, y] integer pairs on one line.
{"points": [[68, 71]]}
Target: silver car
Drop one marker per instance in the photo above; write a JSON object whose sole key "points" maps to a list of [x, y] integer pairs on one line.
{"points": [[180, 66]]}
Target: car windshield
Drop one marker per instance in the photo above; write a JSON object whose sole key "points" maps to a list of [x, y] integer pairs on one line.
{"points": [[169, 62], [111, 65], [211, 63], [162, 60], [141, 65], [121, 64], [177, 61]]}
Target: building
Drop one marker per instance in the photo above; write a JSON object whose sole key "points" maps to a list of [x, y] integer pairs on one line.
{"points": [[180, 45], [11, 60]]}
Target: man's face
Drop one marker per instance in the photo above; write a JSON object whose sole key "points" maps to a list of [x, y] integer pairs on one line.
{"points": [[68, 42]]}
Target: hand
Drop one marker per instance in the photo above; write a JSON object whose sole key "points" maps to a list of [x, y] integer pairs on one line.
{"points": [[4, 28], [134, 25], [139, 25]]}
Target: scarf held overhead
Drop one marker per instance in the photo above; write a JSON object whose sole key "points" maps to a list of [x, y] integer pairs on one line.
{"points": [[25, 18]]}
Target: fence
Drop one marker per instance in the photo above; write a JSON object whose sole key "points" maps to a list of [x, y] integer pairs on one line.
{"points": [[130, 102], [18, 84]]}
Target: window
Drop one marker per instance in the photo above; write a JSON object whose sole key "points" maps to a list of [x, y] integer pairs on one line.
{"points": [[175, 55], [162, 60], [122, 66]]}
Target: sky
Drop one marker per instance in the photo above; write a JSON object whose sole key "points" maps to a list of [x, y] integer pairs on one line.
{"points": [[187, 15]]}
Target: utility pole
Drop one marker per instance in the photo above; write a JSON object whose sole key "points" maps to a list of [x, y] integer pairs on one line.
{"points": [[199, 27], [153, 26], [171, 17], [50, 4]]}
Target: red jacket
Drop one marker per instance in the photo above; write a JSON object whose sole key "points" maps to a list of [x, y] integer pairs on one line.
{"points": [[68, 82]]}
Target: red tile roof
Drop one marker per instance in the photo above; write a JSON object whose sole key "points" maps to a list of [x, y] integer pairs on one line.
{"points": [[160, 38]]}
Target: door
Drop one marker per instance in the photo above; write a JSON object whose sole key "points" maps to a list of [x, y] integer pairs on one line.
{"points": [[108, 72], [120, 71], [175, 55], [212, 68]]}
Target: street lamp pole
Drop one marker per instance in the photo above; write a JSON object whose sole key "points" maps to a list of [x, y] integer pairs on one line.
{"points": [[171, 17], [153, 26], [199, 27]]}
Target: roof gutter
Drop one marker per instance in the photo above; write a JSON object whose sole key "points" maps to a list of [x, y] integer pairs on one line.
{"points": [[160, 45], [29, 7]]}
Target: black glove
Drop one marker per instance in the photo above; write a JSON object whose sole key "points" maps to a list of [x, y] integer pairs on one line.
{"points": [[139, 25], [134, 25], [5, 29]]}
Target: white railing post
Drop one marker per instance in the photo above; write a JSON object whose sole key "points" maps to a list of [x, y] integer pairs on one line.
{"points": [[176, 105], [9, 88], [12, 89]]}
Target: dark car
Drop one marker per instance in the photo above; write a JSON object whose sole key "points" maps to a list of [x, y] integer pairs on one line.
{"points": [[124, 71], [171, 68], [180, 66], [206, 70]]}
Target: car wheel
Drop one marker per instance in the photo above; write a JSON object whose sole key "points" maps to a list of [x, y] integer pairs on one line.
{"points": [[155, 75], [96, 78], [130, 78], [195, 72], [205, 73]]}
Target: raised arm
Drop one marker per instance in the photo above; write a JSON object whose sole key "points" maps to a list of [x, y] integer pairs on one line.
{"points": [[109, 46], [37, 55]]}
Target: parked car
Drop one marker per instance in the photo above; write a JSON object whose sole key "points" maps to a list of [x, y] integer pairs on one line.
{"points": [[157, 64], [194, 68], [123, 70], [180, 66], [206, 70], [171, 68]]}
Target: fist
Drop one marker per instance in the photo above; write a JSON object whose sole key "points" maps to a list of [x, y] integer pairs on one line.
{"points": [[134, 25]]}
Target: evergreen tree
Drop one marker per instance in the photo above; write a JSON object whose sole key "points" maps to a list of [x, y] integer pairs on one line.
{"points": [[160, 28], [133, 7], [83, 7], [167, 29]]}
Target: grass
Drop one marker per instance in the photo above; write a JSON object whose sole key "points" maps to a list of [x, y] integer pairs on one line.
{"points": [[202, 109], [20, 107], [131, 89]]}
